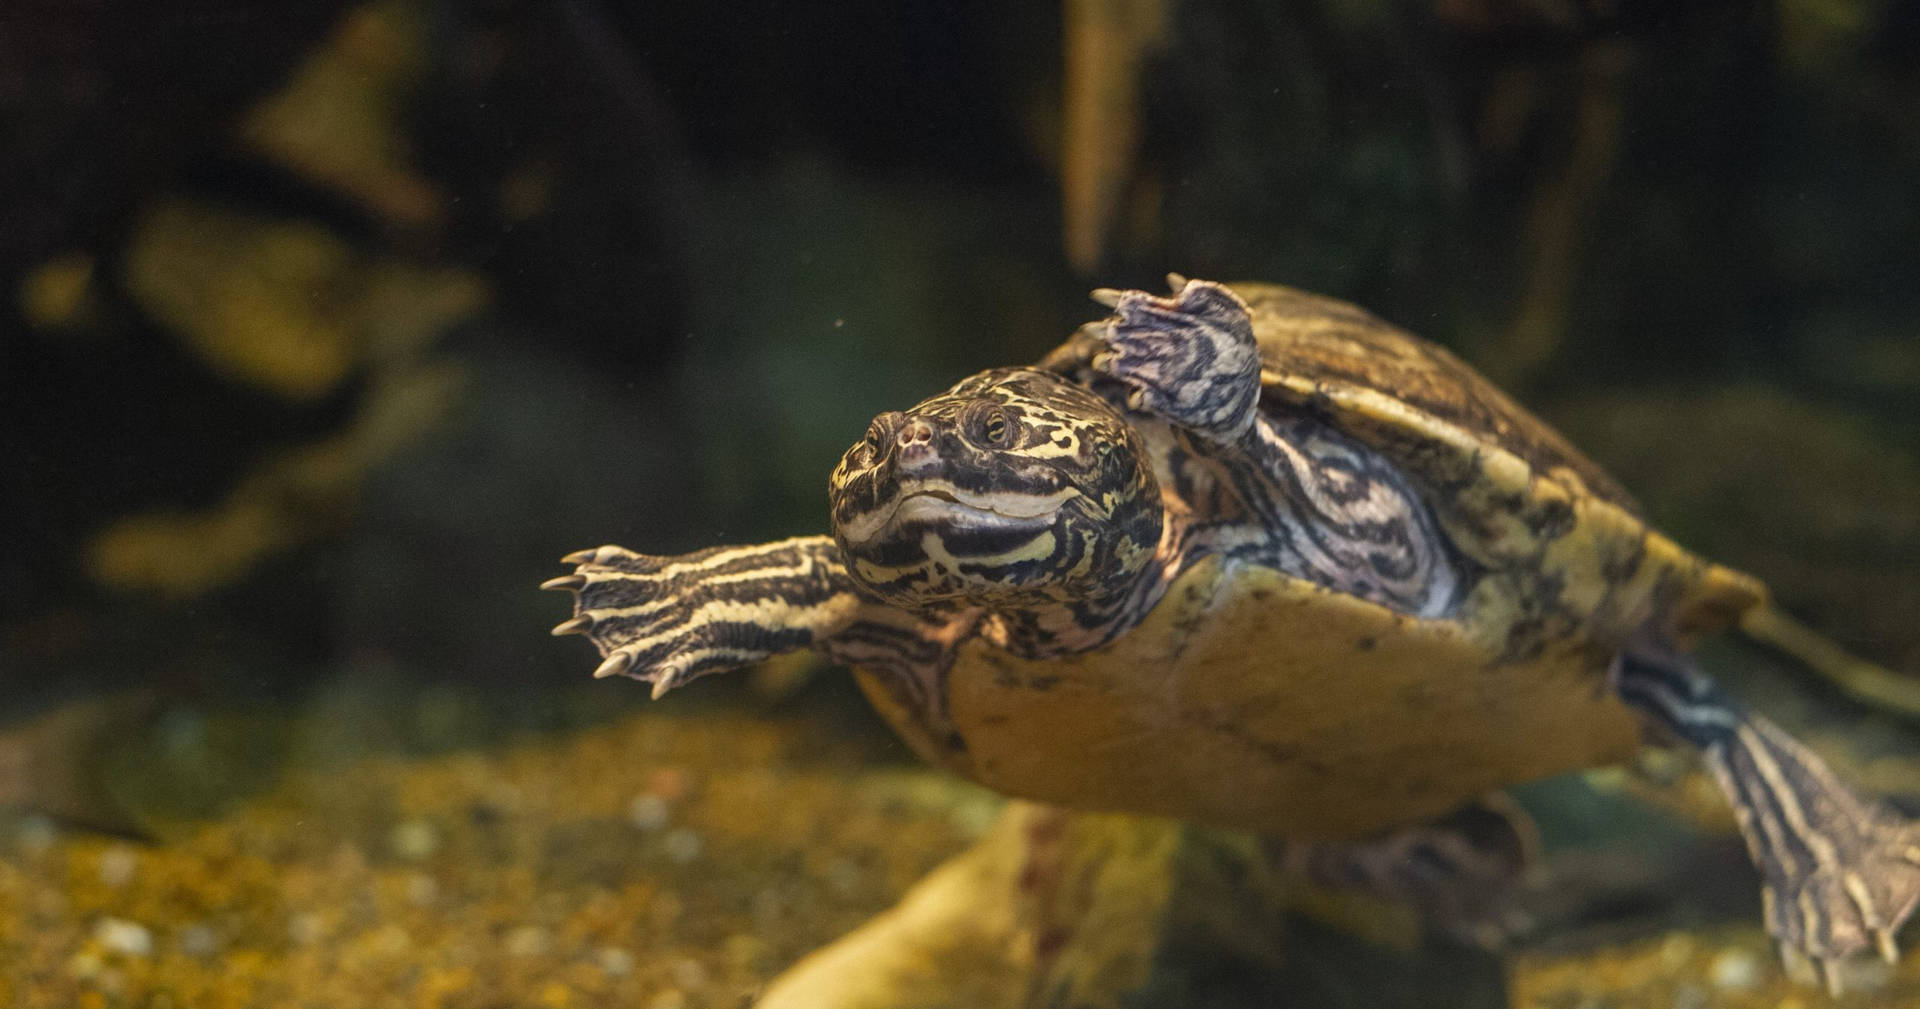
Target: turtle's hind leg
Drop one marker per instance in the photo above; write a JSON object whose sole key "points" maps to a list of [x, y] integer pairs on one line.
{"points": [[1462, 872], [1840, 874]]}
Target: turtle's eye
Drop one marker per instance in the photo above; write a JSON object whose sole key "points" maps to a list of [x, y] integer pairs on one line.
{"points": [[991, 427], [870, 446]]}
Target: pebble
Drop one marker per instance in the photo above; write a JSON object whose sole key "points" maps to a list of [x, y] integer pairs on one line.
{"points": [[649, 812], [669, 999], [118, 865], [85, 965], [1735, 968], [615, 961], [1675, 950], [305, 929], [198, 940], [393, 941], [669, 783], [682, 845], [690, 974], [127, 938], [415, 840], [527, 940], [422, 891]]}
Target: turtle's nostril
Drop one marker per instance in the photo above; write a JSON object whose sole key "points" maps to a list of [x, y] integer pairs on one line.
{"points": [[915, 432], [914, 447]]}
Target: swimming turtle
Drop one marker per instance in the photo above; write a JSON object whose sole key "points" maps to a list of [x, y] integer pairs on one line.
{"points": [[1249, 557]]}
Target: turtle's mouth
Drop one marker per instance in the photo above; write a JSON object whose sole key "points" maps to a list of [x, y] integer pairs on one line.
{"points": [[942, 504]]}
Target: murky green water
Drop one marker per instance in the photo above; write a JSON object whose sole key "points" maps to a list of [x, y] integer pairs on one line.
{"points": [[331, 331]]}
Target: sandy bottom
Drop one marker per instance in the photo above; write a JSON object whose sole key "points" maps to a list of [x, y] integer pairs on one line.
{"points": [[656, 861], [671, 858]]}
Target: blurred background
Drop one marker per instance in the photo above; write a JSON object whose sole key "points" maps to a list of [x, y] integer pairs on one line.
{"points": [[328, 327]]}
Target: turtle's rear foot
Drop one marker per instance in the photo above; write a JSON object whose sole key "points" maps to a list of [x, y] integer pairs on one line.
{"points": [[1840, 874], [1461, 872]]}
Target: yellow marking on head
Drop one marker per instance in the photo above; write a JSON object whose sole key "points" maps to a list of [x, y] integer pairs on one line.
{"points": [[1041, 546]]}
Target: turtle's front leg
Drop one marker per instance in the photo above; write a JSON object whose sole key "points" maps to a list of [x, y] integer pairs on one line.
{"points": [[1190, 357], [667, 620], [1841, 874]]}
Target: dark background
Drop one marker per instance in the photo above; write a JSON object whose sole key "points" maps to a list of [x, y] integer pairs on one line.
{"points": [[326, 329], [579, 273]]}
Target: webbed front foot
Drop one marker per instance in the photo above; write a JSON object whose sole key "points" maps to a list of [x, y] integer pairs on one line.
{"points": [[1840, 874], [667, 620], [1189, 357]]}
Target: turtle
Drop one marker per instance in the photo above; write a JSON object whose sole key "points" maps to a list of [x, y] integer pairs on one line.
{"points": [[1253, 558]]}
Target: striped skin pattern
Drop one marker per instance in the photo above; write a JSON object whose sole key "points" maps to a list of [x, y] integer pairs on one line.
{"points": [[1022, 508], [1285, 491], [1017, 494], [674, 618], [1206, 377], [1048, 512], [1839, 874], [668, 620]]}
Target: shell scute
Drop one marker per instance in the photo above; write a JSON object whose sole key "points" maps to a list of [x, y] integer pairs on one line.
{"points": [[1319, 349]]}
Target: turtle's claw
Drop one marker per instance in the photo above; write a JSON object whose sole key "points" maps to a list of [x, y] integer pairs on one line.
{"points": [[1833, 915], [1815, 970], [666, 681], [616, 664], [578, 625], [1837, 975], [669, 620], [1844, 886], [1840, 874], [619, 557]]}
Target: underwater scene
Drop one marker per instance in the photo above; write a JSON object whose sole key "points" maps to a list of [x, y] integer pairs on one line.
{"points": [[1109, 504]]}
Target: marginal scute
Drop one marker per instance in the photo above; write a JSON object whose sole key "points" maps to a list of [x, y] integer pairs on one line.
{"points": [[1317, 345]]}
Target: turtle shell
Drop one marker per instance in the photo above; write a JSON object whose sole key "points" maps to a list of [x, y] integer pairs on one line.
{"points": [[1254, 700]]}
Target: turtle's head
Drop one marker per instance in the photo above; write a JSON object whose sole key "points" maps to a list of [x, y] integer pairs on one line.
{"points": [[1013, 489]]}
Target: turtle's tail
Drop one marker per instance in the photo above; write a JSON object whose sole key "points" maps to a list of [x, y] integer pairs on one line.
{"points": [[1864, 681]]}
